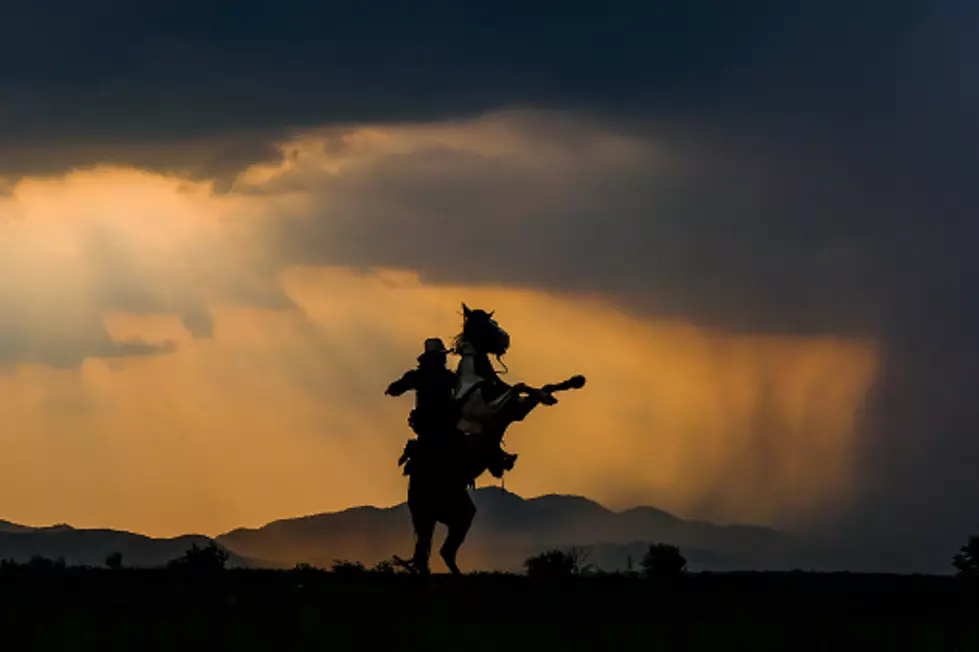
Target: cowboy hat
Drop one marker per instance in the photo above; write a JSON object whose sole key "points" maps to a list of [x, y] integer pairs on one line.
{"points": [[435, 346]]}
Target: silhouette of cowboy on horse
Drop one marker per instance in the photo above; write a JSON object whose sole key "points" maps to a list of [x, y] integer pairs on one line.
{"points": [[459, 421]]}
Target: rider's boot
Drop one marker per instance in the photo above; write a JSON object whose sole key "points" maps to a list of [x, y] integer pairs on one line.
{"points": [[500, 462]]}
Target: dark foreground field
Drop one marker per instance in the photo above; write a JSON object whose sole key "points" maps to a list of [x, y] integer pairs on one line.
{"points": [[81, 609]]}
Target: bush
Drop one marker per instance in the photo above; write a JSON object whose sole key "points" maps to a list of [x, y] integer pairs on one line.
{"points": [[966, 562], [385, 567], [305, 573], [557, 564], [346, 568], [209, 559], [303, 567], [663, 561]]}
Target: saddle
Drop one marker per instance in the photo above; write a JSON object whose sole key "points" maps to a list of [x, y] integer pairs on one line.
{"points": [[417, 453], [429, 455], [406, 455]]}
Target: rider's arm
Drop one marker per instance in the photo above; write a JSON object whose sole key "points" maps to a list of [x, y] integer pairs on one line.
{"points": [[402, 385]]}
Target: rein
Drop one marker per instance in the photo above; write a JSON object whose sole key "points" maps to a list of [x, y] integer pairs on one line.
{"points": [[506, 370], [499, 358]]}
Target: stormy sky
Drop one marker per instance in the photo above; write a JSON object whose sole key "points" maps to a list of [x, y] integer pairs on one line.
{"points": [[772, 175]]}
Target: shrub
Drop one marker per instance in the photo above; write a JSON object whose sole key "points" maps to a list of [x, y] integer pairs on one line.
{"points": [[208, 559], [346, 568], [303, 567], [557, 564], [385, 567], [307, 573]]}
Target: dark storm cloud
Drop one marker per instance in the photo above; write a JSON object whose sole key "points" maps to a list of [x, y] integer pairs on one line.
{"points": [[105, 74], [823, 154], [720, 232], [220, 159]]}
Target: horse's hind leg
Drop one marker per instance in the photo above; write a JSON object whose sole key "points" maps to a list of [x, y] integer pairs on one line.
{"points": [[461, 519], [423, 523], [424, 532]]}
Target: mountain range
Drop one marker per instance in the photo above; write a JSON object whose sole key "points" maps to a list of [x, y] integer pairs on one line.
{"points": [[507, 530], [90, 547]]}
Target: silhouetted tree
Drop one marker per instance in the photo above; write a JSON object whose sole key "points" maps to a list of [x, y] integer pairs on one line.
{"points": [[208, 559], [966, 562], [114, 561], [557, 564], [663, 561]]}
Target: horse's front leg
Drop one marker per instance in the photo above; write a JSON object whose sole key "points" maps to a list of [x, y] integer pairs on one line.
{"points": [[459, 519], [527, 398], [523, 406]]}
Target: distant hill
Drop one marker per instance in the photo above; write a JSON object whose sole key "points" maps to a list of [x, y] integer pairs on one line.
{"points": [[7, 526], [509, 528], [90, 547]]}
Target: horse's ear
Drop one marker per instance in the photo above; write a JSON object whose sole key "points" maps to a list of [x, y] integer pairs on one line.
{"points": [[466, 311], [491, 313]]}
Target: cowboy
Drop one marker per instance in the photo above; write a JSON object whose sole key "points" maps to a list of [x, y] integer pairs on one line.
{"points": [[434, 417]]}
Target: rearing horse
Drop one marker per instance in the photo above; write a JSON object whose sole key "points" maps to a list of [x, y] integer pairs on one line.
{"points": [[486, 406]]}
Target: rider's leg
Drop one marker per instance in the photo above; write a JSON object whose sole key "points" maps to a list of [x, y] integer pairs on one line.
{"points": [[462, 513]]}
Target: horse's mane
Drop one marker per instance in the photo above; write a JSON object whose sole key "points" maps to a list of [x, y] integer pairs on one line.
{"points": [[458, 341], [464, 336]]}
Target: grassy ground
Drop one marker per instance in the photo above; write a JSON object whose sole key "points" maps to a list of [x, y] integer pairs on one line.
{"points": [[80, 609]]}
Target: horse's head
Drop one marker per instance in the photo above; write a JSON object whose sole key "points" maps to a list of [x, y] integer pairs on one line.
{"points": [[481, 331]]}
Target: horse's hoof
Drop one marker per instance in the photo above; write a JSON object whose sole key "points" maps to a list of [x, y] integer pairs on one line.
{"points": [[410, 566], [577, 382]]}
